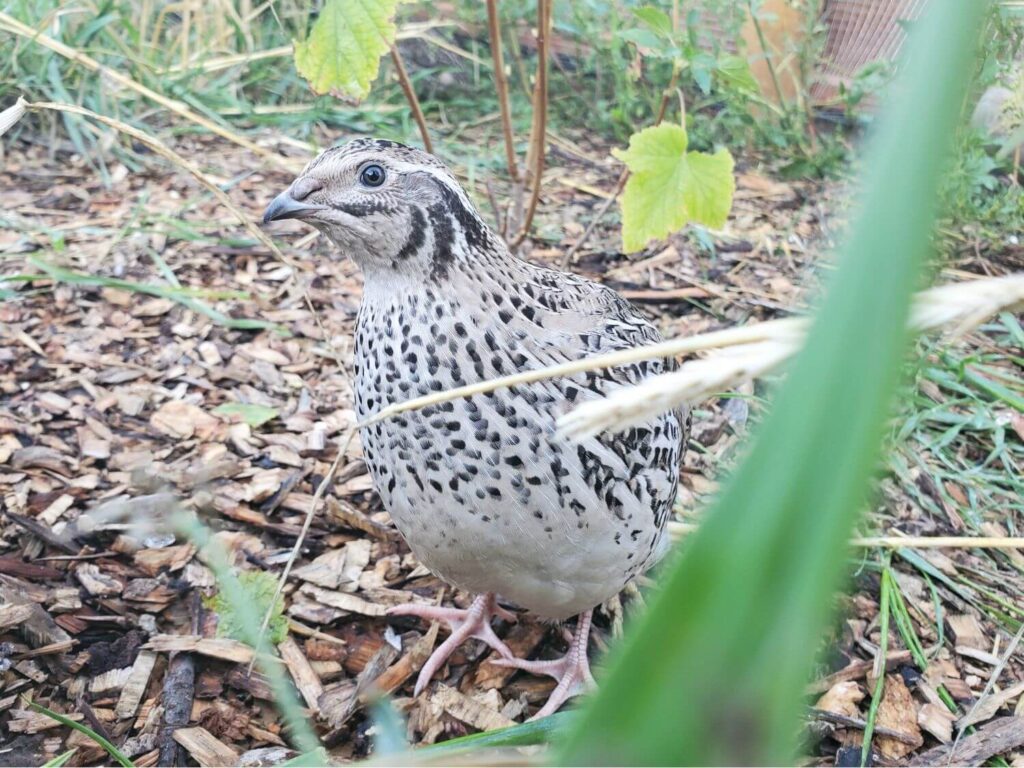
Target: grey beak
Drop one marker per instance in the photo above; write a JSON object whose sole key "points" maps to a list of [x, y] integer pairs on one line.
{"points": [[284, 206]]}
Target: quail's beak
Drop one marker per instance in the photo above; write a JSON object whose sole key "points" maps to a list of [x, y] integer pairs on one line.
{"points": [[284, 206]]}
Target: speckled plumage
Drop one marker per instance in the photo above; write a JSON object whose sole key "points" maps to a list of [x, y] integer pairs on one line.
{"points": [[485, 493], [481, 489]]}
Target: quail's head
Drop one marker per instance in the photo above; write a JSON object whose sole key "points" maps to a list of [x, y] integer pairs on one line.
{"points": [[388, 206]]}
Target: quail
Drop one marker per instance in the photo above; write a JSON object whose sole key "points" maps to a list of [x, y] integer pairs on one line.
{"points": [[485, 491]]}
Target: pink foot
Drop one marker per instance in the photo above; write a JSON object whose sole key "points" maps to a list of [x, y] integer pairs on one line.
{"points": [[572, 671], [474, 621]]}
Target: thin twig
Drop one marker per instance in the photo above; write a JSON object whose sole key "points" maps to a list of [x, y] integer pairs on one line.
{"points": [[855, 722], [678, 530], [410, 96], [538, 136], [609, 201], [501, 86], [941, 542], [168, 154], [105, 72], [623, 177]]}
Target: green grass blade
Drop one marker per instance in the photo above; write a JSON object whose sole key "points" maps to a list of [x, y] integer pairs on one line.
{"points": [[713, 673], [113, 751], [249, 620], [183, 296], [60, 760], [523, 735], [883, 650]]}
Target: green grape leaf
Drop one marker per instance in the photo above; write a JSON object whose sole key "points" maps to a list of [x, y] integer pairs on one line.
{"points": [[259, 588], [341, 54], [670, 187], [735, 70], [252, 414], [655, 18]]}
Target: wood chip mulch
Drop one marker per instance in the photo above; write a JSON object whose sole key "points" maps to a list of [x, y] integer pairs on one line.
{"points": [[109, 400]]}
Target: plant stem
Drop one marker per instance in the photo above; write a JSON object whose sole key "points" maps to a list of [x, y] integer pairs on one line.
{"points": [[538, 136], [501, 86], [410, 96], [883, 646], [767, 55], [624, 176]]}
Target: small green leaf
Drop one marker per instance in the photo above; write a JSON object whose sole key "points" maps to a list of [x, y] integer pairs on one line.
{"points": [[259, 588], [670, 186], [252, 414], [342, 53], [655, 18], [735, 70]]}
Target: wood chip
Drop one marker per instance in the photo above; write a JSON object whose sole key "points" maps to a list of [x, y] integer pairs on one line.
{"points": [[994, 738], [469, 710], [937, 720], [897, 712], [135, 685], [988, 706], [205, 748], [302, 673], [214, 647], [13, 614]]}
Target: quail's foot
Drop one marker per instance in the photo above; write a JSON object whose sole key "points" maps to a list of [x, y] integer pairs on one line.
{"points": [[472, 622], [572, 671]]}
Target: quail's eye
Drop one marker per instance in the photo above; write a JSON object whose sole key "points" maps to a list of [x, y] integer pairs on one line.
{"points": [[372, 176]]}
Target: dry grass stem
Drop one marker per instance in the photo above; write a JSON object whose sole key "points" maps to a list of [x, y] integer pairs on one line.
{"points": [[747, 334], [679, 530], [19, 28], [318, 495], [694, 381], [959, 306], [165, 152]]}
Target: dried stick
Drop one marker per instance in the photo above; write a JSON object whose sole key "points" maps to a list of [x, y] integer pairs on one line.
{"points": [[112, 74], [623, 178], [410, 96], [538, 136], [501, 85]]}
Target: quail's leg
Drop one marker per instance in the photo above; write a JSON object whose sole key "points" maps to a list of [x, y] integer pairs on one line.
{"points": [[474, 621], [572, 671]]}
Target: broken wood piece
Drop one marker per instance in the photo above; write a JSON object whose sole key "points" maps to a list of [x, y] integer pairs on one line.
{"points": [[468, 710], [13, 614], [214, 647], [302, 673], [994, 738], [205, 748], [135, 686], [855, 671]]}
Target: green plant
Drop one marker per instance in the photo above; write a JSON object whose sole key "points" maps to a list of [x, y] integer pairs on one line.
{"points": [[670, 186], [118, 756], [259, 593], [727, 643]]}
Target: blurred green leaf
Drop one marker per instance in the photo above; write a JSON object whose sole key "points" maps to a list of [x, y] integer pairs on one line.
{"points": [[735, 70], [259, 588], [713, 672], [60, 759], [111, 750], [670, 186], [253, 414], [342, 53], [655, 19]]}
